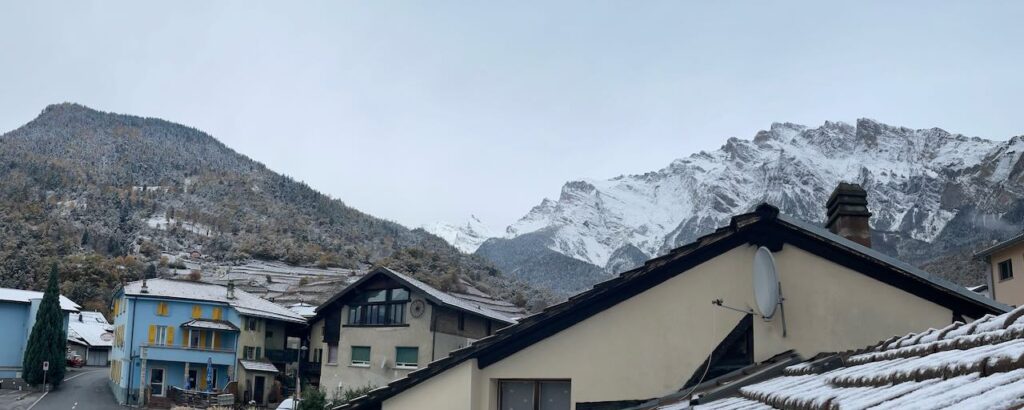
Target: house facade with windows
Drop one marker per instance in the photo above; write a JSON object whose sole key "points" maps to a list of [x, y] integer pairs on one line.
{"points": [[1004, 259], [18, 314], [387, 324], [172, 334], [689, 316]]}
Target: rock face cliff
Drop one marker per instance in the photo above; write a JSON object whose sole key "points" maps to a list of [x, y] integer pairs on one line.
{"points": [[935, 196]]}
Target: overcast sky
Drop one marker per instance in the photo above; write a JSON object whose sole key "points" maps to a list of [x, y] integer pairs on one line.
{"points": [[421, 111]]}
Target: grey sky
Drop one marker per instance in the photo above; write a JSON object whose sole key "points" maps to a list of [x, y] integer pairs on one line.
{"points": [[421, 111]]}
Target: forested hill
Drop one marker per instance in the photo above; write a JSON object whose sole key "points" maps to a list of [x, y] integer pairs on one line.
{"points": [[105, 194]]}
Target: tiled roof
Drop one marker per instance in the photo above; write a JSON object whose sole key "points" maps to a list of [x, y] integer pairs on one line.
{"points": [[244, 302], [765, 224], [26, 296], [974, 365]]}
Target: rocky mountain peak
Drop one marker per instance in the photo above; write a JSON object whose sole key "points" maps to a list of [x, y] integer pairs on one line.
{"points": [[924, 187]]}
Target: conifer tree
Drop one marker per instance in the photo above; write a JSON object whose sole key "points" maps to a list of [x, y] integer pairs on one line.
{"points": [[48, 341]]}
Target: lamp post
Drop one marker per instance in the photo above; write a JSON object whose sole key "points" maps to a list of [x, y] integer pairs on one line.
{"points": [[298, 366]]}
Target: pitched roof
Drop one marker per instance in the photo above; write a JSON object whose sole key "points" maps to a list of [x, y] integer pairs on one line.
{"points": [[434, 295], [974, 365], [26, 296], [763, 227], [984, 253], [245, 303], [90, 329]]}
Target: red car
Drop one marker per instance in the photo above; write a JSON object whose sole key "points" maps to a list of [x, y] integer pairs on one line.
{"points": [[76, 361]]}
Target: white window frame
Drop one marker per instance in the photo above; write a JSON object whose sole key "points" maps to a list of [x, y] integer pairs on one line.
{"points": [[160, 339], [163, 384], [407, 366]]}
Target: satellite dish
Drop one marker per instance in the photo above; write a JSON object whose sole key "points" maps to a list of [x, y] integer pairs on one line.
{"points": [[766, 283]]}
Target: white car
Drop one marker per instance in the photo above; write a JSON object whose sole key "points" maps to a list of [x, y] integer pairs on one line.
{"points": [[288, 404]]}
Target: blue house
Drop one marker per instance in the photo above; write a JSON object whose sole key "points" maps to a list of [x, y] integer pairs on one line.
{"points": [[18, 314], [191, 336]]}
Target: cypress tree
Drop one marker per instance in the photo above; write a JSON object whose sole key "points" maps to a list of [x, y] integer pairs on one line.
{"points": [[48, 341]]}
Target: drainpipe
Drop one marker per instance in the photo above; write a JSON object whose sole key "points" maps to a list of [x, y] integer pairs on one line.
{"points": [[131, 359]]}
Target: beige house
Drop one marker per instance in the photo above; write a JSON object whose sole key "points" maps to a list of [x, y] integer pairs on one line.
{"points": [[689, 316], [263, 353], [386, 325], [1003, 258]]}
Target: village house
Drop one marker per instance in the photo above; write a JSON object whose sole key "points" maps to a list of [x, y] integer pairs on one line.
{"points": [[193, 336], [90, 337], [689, 316], [1002, 258], [18, 314], [388, 324]]}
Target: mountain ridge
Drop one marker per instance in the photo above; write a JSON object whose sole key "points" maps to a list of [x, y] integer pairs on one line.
{"points": [[933, 193], [104, 195]]}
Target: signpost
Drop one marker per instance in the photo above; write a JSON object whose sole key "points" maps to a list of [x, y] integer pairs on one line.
{"points": [[46, 369]]}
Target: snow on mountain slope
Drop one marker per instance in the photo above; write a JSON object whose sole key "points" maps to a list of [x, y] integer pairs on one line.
{"points": [[918, 181], [467, 238]]}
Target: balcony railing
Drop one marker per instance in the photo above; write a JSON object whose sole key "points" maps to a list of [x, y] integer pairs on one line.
{"points": [[191, 354]]}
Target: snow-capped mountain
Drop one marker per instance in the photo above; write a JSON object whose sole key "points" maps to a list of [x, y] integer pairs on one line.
{"points": [[930, 191], [466, 237]]}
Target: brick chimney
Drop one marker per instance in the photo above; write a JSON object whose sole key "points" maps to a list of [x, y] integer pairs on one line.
{"points": [[847, 210]]}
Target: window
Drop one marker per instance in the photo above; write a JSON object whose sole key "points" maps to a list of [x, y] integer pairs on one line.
{"points": [[217, 313], [332, 353], [378, 307], [249, 353], [360, 356], [197, 311], [533, 395], [251, 324], [407, 357], [156, 382], [316, 356], [1005, 270], [162, 309], [160, 335], [259, 353]]}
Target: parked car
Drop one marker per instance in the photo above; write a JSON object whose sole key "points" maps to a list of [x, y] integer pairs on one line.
{"points": [[75, 361], [288, 404]]}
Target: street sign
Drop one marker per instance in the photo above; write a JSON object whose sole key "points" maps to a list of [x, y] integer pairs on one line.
{"points": [[46, 366]]}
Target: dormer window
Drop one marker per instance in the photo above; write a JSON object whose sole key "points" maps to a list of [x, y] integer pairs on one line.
{"points": [[378, 307]]}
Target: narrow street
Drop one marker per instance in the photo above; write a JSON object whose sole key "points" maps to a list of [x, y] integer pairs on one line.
{"points": [[84, 389]]}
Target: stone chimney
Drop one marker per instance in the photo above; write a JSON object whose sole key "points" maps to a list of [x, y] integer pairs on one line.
{"points": [[145, 289], [231, 289], [848, 216]]}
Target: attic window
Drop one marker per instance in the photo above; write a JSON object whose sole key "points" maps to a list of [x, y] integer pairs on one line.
{"points": [[381, 307], [1005, 270]]}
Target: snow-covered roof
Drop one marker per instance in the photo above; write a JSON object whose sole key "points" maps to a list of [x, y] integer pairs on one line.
{"points": [[305, 309], [453, 301], [244, 302], [434, 295], [251, 365], [90, 329], [26, 296], [974, 365]]}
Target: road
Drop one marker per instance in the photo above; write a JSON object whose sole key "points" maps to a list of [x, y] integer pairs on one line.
{"points": [[84, 389]]}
